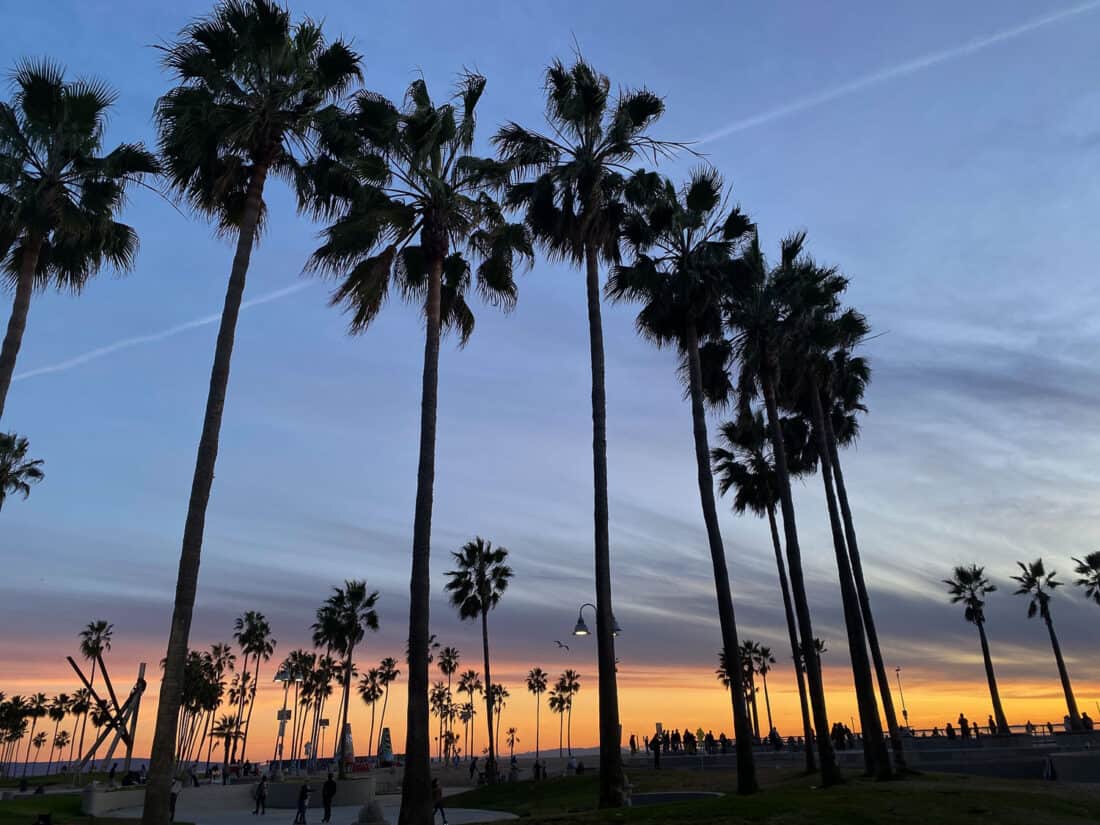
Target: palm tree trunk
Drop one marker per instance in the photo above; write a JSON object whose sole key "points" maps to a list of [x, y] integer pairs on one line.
{"points": [[49, 764], [994, 694], [17, 323], [746, 768], [767, 703], [874, 747], [416, 796], [881, 676], [470, 730], [251, 706], [830, 772], [30, 741], [382, 720], [370, 742], [1063, 674], [238, 719], [84, 716], [755, 710], [792, 633], [538, 707], [491, 766], [341, 769], [612, 781], [160, 763]]}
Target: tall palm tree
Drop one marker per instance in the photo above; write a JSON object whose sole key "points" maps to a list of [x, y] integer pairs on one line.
{"points": [[969, 586], [412, 206], [79, 705], [387, 674], [744, 464], [251, 87], [476, 586], [569, 684], [37, 707], [440, 699], [59, 194], [1089, 571], [681, 244], [470, 683], [448, 663], [58, 710], [500, 700], [570, 182], [513, 738], [370, 691], [747, 667], [60, 742], [225, 730], [258, 644], [763, 661], [1039, 585], [341, 624], [536, 684], [560, 702], [95, 640], [757, 320], [17, 472]]}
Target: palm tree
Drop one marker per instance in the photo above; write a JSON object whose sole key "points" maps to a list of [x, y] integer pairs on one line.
{"points": [[682, 242], [412, 205], [37, 708], [747, 667], [500, 699], [513, 737], [225, 729], [969, 586], [78, 707], [95, 640], [342, 622], [58, 710], [763, 660], [253, 634], [1039, 585], [1089, 571], [370, 691], [448, 662], [60, 742], [17, 472], [536, 684], [569, 684], [560, 702], [470, 683], [757, 319], [569, 182], [476, 585], [440, 699], [387, 673], [745, 465], [58, 194], [251, 87]]}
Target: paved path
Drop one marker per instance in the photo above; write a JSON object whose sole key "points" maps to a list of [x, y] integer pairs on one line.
{"points": [[341, 815]]}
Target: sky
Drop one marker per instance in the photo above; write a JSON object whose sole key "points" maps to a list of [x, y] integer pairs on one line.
{"points": [[945, 156]]}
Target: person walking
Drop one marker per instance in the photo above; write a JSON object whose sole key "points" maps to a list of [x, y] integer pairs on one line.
{"points": [[437, 801], [328, 793], [964, 726], [303, 803], [655, 744], [261, 797]]}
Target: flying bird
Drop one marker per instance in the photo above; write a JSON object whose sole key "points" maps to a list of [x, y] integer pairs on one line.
{"points": [[559, 644]]}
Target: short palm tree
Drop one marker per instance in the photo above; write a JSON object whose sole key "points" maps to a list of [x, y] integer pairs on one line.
{"points": [[1088, 569], [387, 674], [412, 208], [536, 684], [513, 738], [225, 731], [59, 195], [448, 662], [1039, 586], [342, 622], [470, 683], [744, 465], [681, 243], [251, 88], [757, 319], [59, 709], [370, 691], [560, 702], [60, 742], [476, 585], [440, 701], [17, 472], [569, 684], [762, 661], [969, 586], [569, 183], [38, 705]]}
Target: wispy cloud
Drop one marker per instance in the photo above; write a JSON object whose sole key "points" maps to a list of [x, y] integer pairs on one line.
{"points": [[127, 343], [909, 67]]}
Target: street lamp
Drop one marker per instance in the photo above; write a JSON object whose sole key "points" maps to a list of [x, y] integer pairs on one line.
{"points": [[901, 695], [282, 675], [581, 629]]}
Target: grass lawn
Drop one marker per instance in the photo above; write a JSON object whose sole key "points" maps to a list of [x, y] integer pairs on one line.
{"points": [[64, 809], [791, 799]]}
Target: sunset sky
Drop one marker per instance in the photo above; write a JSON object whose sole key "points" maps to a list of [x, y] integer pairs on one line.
{"points": [[945, 156]]}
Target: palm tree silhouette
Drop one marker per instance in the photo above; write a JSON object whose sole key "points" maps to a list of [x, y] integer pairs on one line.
{"points": [[17, 472], [744, 464], [58, 194], [560, 702], [251, 89], [969, 586], [1089, 571], [476, 585], [95, 640], [569, 184], [253, 634], [37, 707], [500, 700], [1039, 585], [412, 207], [681, 243], [58, 710], [370, 691], [470, 683], [762, 660], [569, 684], [536, 684], [387, 674], [440, 700], [448, 663]]}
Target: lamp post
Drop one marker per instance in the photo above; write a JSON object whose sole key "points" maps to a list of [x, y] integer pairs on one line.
{"points": [[901, 695], [581, 629], [297, 677], [281, 676]]}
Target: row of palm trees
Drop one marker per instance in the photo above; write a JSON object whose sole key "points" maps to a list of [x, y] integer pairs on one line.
{"points": [[969, 586]]}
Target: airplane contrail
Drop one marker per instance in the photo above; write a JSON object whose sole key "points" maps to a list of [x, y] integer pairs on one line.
{"points": [[126, 343], [908, 67]]}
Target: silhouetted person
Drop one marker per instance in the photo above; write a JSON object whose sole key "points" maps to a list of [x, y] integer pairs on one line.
{"points": [[437, 800], [173, 795], [1086, 720], [964, 727], [655, 744], [633, 745], [473, 767], [328, 793], [992, 725], [303, 803], [580, 768], [1050, 728], [261, 797], [950, 731]]}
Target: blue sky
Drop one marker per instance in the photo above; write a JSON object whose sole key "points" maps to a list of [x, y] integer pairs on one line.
{"points": [[960, 197]]}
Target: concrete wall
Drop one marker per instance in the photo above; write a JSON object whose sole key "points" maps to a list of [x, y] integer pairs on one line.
{"points": [[349, 792]]}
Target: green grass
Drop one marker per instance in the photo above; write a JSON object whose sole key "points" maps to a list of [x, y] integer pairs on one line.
{"points": [[791, 799], [64, 808]]}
